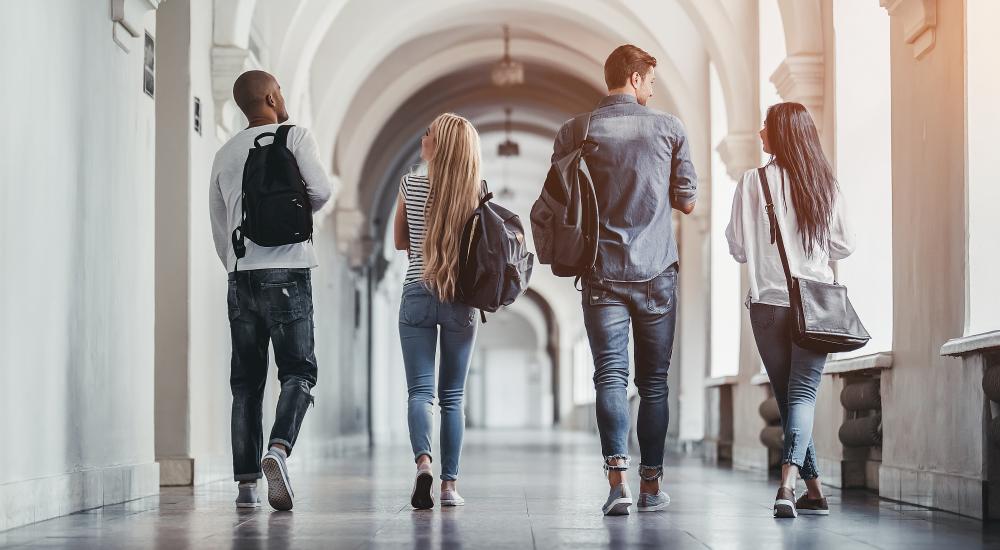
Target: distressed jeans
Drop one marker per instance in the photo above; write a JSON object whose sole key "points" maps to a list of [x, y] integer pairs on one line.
{"points": [[795, 374], [423, 321], [269, 306], [650, 308]]}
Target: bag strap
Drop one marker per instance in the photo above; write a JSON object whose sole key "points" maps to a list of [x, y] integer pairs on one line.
{"points": [[775, 228], [256, 141], [281, 135], [486, 195]]}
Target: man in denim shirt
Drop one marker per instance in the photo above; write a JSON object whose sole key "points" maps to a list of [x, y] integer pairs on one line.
{"points": [[641, 171]]}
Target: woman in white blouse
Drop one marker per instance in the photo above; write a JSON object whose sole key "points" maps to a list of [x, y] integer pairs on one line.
{"points": [[809, 208]]}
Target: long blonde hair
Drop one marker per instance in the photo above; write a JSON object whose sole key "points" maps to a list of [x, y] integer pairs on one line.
{"points": [[454, 174]]}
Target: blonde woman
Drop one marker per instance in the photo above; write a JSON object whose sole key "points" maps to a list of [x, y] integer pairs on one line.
{"points": [[430, 216]]}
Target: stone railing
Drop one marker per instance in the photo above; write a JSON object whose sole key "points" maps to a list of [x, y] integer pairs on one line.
{"points": [[982, 352], [718, 443]]}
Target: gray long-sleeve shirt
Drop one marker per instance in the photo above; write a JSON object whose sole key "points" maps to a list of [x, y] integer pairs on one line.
{"points": [[641, 169]]}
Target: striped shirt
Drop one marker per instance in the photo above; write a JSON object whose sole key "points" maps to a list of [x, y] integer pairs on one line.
{"points": [[415, 190]]}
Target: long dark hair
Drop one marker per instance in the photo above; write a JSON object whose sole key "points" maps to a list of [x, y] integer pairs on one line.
{"points": [[794, 142]]}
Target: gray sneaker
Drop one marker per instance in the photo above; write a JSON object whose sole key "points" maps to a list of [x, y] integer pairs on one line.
{"points": [[619, 501], [652, 503], [279, 489], [247, 498]]}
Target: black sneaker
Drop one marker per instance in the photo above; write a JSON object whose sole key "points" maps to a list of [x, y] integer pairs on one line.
{"points": [[784, 503], [812, 506]]}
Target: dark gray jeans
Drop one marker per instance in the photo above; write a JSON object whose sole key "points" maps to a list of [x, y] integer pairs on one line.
{"points": [[265, 306], [795, 374]]}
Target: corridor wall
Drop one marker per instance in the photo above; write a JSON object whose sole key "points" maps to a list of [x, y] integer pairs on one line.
{"points": [[76, 230]]}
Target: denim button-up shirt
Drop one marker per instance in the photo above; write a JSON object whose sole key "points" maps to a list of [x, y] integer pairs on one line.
{"points": [[641, 169]]}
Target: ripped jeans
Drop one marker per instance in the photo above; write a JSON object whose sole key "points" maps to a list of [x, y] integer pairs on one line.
{"points": [[649, 309], [269, 306], [795, 374]]}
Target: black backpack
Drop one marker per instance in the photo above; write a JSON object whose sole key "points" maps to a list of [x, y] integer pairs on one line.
{"points": [[564, 219], [276, 208], [494, 264]]}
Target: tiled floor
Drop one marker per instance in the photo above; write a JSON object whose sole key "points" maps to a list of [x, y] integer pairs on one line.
{"points": [[524, 490]]}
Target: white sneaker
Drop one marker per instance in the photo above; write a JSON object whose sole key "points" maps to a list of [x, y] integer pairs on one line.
{"points": [[451, 498]]}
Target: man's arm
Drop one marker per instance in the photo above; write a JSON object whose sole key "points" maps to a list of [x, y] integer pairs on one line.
{"points": [[317, 184], [683, 180], [219, 216]]}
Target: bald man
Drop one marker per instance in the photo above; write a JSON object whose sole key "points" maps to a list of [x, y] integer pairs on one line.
{"points": [[270, 296]]}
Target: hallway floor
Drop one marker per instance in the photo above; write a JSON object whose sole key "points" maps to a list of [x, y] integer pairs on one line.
{"points": [[364, 503]]}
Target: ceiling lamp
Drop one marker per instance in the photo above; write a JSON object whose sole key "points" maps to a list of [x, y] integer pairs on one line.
{"points": [[508, 148], [507, 72]]}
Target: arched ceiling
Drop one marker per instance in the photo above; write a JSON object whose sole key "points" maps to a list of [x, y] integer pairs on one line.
{"points": [[350, 65], [540, 106]]}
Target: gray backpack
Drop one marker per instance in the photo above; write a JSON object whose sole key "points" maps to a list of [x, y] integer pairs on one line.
{"points": [[564, 219]]}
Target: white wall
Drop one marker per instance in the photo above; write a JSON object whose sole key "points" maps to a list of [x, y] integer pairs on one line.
{"points": [[983, 135], [863, 161], [726, 301], [76, 231]]}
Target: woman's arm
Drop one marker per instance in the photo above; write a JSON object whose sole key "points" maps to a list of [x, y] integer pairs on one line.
{"points": [[734, 231], [841, 236], [401, 231]]}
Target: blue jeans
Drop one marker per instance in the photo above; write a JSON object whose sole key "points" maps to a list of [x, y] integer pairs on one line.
{"points": [[269, 306], [650, 307], [795, 374], [420, 316]]}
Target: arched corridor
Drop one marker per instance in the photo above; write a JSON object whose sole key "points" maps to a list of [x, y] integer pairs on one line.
{"points": [[114, 340]]}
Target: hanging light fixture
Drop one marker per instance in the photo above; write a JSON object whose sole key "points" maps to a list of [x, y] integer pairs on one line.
{"points": [[509, 147], [507, 72]]}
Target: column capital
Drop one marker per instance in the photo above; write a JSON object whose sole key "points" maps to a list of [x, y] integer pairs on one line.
{"points": [[228, 62], [919, 19], [129, 13], [740, 152], [352, 239], [799, 78]]}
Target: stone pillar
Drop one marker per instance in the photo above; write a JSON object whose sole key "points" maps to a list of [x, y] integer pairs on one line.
{"points": [[191, 329], [932, 416], [172, 398]]}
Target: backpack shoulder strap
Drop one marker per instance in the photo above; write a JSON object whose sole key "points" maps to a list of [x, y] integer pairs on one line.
{"points": [[581, 127], [485, 195], [281, 135]]}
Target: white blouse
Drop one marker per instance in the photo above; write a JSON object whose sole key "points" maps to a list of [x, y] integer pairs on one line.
{"points": [[749, 238]]}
